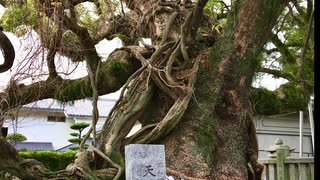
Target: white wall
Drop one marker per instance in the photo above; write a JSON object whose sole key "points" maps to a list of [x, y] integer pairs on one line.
{"points": [[285, 128], [35, 127], [265, 140]]}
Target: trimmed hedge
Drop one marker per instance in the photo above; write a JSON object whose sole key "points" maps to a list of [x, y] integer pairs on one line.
{"points": [[52, 160]]}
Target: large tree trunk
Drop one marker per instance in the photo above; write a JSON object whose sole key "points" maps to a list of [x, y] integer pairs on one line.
{"points": [[213, 136], [216, 138]]}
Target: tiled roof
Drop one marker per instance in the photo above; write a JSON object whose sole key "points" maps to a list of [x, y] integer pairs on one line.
{"points": [[37, 146], [81, 108]]}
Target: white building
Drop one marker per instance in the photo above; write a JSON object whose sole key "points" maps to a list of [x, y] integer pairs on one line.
{"points": [[48, 121]]}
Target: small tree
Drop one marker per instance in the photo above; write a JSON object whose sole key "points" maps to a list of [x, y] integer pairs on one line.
{"points": [[80, 126], [13, 138]]}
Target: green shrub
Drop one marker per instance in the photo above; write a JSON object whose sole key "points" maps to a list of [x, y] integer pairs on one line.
{"points": [[80, 126], [51, 159], [266, 102], [15, 137], [75, 140], [292, 98]]}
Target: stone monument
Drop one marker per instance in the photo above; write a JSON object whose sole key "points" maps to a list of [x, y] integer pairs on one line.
{"points": [[145, 162]]}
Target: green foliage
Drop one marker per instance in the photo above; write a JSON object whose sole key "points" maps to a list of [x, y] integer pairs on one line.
{"points": [[266, 102], [79, 126], [75, 148], [70, 39], [292, 97], [74, 134], [221, 24], [289, 97], [75, 140], [87, 19], [15, 137], [213, 8], [286, 56], [23, 150], [52, 160], [19, 14]]}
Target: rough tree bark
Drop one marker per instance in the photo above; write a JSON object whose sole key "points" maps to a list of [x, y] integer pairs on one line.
{"points": [[205, 115]]}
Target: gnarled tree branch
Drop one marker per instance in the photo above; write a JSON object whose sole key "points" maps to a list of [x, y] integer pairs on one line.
{"points": [[278, 73], [68, 90], [282, 48], [8, 52]]}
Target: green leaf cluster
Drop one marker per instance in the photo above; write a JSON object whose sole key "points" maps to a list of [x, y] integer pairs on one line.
{"points": [[288, 98], [292, 98], [88, 18], [52, 160], [80, 126], [286, 55], [213, 8], [74, 134], [75, 140], [15, 137], [16, 15], [266, 102]]}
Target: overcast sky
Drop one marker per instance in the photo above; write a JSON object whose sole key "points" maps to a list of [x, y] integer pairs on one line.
{"points": [[27, 47]]}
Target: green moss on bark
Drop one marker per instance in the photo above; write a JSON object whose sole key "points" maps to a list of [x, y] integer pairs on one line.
{"points": [[206, 140], [119, 69], [74, 90]]}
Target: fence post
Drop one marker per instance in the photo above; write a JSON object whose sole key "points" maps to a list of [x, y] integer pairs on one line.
{"points": [[280, 152]]}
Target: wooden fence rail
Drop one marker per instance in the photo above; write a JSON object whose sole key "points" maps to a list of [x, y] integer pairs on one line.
{"points": [[280, 166]]}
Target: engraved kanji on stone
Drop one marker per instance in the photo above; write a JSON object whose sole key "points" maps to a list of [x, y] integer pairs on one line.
{"points": [[148, 170], [145, 162]]}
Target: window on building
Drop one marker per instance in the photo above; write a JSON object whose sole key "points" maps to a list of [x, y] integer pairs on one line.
{"points": [[56, 119]]}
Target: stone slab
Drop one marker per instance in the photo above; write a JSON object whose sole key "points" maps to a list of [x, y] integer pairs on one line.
{"points": [[145, 162]]}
